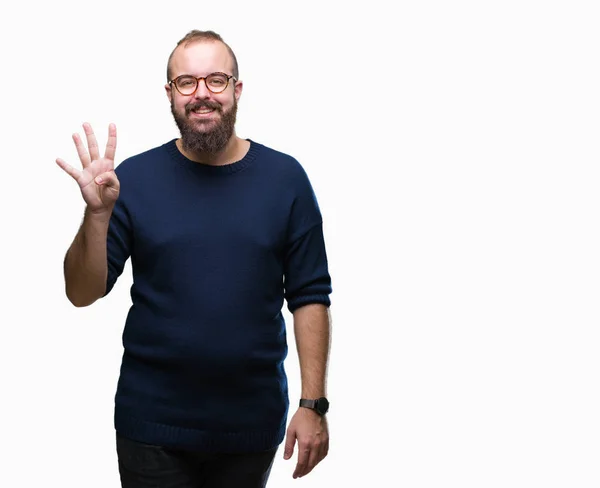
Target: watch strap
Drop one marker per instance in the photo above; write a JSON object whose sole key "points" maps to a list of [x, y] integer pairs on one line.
{"points": [[308, 403]]}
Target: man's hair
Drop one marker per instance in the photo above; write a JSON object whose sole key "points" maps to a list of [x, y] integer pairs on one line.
{"points": [[196, 36]]}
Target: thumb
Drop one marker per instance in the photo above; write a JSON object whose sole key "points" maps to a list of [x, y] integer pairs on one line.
{"points": [[109, 179], [290, 441]]}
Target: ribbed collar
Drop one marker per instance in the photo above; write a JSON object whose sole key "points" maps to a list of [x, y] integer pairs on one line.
{"points": [[207, 169]]}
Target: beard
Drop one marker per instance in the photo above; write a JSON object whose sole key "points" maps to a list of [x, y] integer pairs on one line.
{"points": [[217, 134]]}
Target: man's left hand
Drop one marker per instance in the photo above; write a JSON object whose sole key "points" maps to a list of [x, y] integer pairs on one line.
{"points": [[310, 429]]}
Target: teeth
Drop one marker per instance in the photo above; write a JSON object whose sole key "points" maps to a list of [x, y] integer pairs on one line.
{"points": [[203, 110]]}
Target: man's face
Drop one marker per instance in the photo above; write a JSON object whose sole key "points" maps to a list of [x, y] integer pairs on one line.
{"points": [[200, 131]]}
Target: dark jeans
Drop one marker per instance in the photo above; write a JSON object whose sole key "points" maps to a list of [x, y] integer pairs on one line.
{"points": [[149, 466]]}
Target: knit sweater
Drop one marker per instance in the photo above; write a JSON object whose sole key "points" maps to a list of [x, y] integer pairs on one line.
{"points": [[215, 251]]}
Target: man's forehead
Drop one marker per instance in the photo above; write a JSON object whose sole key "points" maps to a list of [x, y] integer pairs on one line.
{"points": [[205, 56]]}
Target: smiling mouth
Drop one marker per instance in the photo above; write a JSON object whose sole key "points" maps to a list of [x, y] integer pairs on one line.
{"points": [[203, 110]]}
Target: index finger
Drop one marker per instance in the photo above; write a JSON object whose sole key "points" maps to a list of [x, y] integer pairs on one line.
{"points": [[111, 144]]}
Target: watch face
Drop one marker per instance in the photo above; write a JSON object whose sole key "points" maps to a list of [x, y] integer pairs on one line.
{"points": [[322, 405]]}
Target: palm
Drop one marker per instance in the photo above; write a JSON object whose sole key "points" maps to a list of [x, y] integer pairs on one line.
{"points": [[98, 197], [95, 195]]}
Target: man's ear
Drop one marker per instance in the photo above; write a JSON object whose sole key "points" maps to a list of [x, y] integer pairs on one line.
{"points": [[239, 86], [169, 92]]}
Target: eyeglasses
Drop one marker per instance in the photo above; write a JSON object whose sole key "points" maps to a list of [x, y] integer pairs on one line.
{"points": [[215, 82]]}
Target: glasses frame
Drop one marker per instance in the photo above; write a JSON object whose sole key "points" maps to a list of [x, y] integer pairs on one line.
{"points": [[173, 82]]}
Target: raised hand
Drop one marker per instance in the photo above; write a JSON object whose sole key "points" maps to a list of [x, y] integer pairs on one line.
{"points": [[97, 181]]}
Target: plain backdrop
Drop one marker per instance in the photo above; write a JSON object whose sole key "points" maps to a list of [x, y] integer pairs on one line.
{"points": [[453, 148]]}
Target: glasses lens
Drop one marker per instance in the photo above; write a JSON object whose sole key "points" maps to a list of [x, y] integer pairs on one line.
{"points": [[186, 84], [216, 82]]}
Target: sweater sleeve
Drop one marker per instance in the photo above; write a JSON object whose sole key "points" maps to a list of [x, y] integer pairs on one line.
{"points": [[306, 274], [118, 243]]}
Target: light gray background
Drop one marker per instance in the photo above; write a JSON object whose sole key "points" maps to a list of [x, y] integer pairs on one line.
{"points": [[453, 147]]}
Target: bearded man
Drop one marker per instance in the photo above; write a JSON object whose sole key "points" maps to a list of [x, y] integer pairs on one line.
{"points": [[221, 231]]}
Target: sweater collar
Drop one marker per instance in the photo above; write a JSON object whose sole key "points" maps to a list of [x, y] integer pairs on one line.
{"points": [[225, 169]]}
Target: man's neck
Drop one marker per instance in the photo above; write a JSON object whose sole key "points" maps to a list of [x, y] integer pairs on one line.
{"points": [[235, 150]]}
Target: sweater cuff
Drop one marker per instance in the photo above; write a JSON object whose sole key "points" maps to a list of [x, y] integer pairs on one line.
{"points": [[298, 302]]}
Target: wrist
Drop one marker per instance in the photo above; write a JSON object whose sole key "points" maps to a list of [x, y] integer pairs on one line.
{"points": [[99, 215]]}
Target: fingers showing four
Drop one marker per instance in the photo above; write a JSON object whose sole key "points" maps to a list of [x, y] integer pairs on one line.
{"points": [[86, 157]]}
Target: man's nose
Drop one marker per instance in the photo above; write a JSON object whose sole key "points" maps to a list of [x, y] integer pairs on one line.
{"points": [[202, 91]]}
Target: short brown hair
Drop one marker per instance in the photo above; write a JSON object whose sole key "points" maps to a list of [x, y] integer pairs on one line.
{"points": [[198, 35]]}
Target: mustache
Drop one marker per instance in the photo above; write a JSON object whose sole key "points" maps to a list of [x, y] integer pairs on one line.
{"points": [[198, 105]]}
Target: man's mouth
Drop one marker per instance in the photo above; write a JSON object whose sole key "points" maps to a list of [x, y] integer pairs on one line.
{"points": [[203, 110]]}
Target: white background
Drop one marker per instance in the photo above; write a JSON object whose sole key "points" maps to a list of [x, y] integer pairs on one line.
{"points": [[453, 147]]}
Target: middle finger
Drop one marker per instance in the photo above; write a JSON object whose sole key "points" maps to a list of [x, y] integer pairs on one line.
{"points": [[92, 143]]}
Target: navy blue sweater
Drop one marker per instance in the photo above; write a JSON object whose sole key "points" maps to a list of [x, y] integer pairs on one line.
{"points": [[214, 250]]}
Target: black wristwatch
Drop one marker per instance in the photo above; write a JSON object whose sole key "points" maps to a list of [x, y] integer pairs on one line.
{"points": [[320, 405]]}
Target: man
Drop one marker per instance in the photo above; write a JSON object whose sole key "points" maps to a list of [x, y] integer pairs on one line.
{"points": [[220, 230]]}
